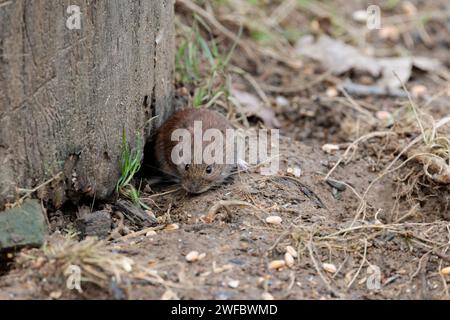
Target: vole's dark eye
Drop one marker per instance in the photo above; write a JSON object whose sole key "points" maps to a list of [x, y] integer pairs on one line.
{"points": [[186, 167], [208, 169]]}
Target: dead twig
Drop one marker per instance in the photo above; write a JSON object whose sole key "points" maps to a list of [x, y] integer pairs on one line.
{"points": [[319, 271]]}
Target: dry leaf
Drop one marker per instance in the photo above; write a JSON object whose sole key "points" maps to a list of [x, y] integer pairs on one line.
{"points": [[252, 106], [340, 57]]}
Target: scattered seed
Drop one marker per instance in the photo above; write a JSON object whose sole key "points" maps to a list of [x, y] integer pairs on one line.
{"points": [[445, 271], [55, 294], [330, 148], [281, 101], [297, 172], [289, 259], [418, 91], [389, 33], [409, 8], [274, 220], [363, 280], [127, 264], [192, 256], [277, 264], [172, 226], [169, 295], [329, 267], [331, 92], [291, 251], [217, 269], [360, 16], [267, 296], [195, 256], [233, 284], [383, 115]]}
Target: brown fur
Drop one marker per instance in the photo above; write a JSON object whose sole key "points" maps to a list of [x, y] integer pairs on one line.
{"points": [[195, 179]]}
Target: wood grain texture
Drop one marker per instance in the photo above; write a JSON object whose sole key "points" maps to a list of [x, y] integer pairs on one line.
{"points": [[66, 95]]}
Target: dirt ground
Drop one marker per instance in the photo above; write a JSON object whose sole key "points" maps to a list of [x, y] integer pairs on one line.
{"points": [[366, 233]]}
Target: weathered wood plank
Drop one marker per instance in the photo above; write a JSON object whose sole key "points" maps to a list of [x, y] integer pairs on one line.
{"points": [[96, 224]]}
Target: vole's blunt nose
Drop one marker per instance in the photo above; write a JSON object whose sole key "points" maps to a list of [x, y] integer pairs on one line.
{"points": [[194, 187]]}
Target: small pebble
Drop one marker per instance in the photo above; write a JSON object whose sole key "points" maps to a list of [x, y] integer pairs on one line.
{"points": [[150, 233], [274, 220], [339, 186]]}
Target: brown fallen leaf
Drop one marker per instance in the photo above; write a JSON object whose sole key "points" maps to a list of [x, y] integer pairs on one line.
{"points": [[252, 106], [340, 57]]}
